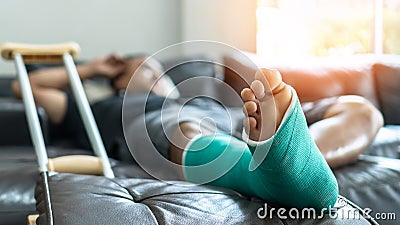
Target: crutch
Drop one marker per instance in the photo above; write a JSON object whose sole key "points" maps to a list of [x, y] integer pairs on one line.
{"points": [[65, 52]]}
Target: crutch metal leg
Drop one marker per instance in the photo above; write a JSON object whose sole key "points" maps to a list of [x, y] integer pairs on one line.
{"points": [[31, 113], [21, 53], [86, 114]]}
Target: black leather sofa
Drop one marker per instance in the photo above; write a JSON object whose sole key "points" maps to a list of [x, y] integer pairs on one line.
{"points": [[81, 199]]}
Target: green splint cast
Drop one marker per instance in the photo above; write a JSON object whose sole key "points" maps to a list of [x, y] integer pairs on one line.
{"points": [[293, 173], [208, 158]]}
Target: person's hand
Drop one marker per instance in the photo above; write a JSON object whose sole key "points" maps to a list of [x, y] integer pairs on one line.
{"points": [[108, 66]]}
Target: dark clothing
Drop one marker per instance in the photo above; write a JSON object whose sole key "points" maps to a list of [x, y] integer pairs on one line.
{"points": [[315, 111], [108, 117], [161, 119]]}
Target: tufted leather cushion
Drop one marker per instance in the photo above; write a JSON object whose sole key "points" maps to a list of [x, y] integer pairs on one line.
{"points": [[81, 199]]}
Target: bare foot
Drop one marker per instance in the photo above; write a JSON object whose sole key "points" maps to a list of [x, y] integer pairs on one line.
{"points": [[265, 104]]}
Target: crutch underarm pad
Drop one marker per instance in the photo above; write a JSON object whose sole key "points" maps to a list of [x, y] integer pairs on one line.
{"points": [[39, 53]]}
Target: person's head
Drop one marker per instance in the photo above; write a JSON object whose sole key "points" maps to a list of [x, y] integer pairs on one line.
{"points": [[144, 71]]}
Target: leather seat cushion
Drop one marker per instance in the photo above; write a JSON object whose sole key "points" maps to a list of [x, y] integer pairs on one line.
{"points": [[83, 199], [18, 176], [371, 185], [18, 179], [375, 185], [386, 143]]}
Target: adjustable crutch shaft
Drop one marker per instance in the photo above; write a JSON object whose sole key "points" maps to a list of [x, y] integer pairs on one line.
{"points": [[86, 114], [31, 113]]}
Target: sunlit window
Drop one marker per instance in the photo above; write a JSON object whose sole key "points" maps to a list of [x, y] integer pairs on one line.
{"points": [[288, 28], [391, 26]]}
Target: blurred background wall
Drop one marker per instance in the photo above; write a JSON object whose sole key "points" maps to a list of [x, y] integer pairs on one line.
{"points": [[126, 26]]}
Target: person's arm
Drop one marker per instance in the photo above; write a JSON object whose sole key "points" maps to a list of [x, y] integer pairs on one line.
{"points": [[46, 83]]}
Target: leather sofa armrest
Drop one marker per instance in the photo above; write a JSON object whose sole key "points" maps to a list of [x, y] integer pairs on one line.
{"points": [[387, 79], [313, 79], [14, 129]]}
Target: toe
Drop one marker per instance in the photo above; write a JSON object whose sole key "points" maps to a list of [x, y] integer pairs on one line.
{"points": [[249, 123], [261, 75], [271, 78], [258, 89], [247, 95], [250, 108], [252, 122]]}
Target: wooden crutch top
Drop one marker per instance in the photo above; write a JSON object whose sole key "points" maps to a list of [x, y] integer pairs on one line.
{"points": [[37, 53]]}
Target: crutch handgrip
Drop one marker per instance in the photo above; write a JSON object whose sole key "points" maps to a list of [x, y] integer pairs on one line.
{"points": [[78, 164], [32, 53]]}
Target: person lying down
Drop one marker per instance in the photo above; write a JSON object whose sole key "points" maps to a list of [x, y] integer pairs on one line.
{"points": [[294, 169]]}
